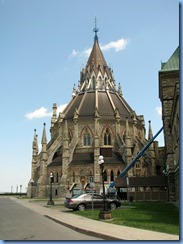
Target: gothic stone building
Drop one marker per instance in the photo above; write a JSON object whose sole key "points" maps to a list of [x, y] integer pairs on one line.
{"points": [[169, 96], [97, 121]]}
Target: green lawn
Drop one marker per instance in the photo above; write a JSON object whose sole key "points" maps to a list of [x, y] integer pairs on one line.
{"points": [[156, 216]]}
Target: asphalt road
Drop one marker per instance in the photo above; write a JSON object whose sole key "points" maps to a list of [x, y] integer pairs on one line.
{"points": [[20, 223]]}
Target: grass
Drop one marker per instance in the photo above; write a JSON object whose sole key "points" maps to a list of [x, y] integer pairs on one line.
{"points": [[155, 216]]}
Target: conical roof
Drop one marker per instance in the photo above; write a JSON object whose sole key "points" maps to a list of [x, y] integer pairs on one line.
{"points": [[97, 68], [97, 91], [96, 59]]}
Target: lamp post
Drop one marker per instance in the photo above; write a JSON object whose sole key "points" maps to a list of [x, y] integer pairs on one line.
{"points": [[101, 163], [32, 185], [103, 214], [20, 190], [50, 201]]}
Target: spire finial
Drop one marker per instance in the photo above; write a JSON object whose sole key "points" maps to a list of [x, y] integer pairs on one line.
{"points": [[95, 30]]}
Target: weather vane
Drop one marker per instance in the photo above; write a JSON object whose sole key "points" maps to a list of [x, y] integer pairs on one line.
{"points": [[96, 30]]}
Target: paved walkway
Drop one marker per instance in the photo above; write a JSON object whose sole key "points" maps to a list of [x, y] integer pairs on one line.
{"points": [[101, 229]]}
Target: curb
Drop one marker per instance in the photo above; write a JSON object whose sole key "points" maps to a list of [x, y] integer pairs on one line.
{"points": [[89, 232]]}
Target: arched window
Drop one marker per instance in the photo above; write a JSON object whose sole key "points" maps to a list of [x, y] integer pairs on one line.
{"points": [[57, 177], [107, 137], [56, 192], [86, 138], [112, 175], [118, 173]]}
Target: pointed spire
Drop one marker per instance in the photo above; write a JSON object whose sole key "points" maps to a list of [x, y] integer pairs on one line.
{"points": [[95, 30], [96, 67], [44, 140], [150, 134]]}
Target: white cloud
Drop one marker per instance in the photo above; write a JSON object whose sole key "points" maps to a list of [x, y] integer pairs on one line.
{"points": [[74, 53], [116, 45], [159, 110], [38, 113], [43, 112], [61, 108]]}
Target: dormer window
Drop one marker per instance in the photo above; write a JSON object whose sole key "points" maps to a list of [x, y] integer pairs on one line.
{"points": [[107, 137], [86, 138]]}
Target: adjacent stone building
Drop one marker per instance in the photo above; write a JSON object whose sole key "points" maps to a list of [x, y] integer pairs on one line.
{"points": [[97, 121], [169, 96]]}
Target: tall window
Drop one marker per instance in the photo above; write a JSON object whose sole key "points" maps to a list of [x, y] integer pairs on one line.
{"points": [[86, 138], [57, 177], [107, 137]]}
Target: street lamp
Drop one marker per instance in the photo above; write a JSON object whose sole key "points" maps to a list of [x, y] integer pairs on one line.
{"points": [[20, 190], [103, 214], [50, 201], [101, 163], [32, 183]]}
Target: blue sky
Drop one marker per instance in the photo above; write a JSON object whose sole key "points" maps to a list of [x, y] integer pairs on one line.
{"points": [[44, 45]]}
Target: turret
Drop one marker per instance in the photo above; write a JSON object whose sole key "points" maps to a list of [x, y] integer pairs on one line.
{"points": [[54, 115], [35, 145], [44, 140], [150, 134], [34, 154]]}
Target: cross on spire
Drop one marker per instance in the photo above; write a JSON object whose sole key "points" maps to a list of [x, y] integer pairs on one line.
{"points": [[95, 30]]}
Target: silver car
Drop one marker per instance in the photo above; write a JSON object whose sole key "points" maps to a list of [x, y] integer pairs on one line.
{"points": [[86, 200]]}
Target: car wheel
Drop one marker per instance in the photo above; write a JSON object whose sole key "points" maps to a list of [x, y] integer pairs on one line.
{"points": [[81, 207], [113, 205]]}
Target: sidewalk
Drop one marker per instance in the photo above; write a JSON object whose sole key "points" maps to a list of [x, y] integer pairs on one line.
{"points": [[101, 229]]}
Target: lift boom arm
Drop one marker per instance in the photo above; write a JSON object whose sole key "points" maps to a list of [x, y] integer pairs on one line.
{"points": [[123, 173], [139, 155]]}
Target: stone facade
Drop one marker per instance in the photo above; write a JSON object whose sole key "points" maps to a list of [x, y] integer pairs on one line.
{"points": [[96, 121], [169, 96]]}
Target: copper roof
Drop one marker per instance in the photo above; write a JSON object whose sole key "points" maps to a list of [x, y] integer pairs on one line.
{"points": [[173, 62]]}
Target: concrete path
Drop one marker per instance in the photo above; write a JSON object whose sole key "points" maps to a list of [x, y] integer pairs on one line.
{"points": [[100, 229]]}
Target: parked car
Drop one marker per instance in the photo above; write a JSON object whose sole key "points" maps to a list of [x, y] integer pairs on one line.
{"points": [[85, 201]]}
